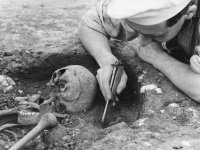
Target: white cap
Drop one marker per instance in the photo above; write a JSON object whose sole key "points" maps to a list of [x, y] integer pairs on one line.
{"points": [[145, 12]]}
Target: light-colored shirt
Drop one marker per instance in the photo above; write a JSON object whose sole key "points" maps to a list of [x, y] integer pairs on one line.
{"points": [[97, 19]]}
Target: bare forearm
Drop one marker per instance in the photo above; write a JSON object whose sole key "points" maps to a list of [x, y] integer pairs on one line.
{"points": [[180, 74], [97, 45]]}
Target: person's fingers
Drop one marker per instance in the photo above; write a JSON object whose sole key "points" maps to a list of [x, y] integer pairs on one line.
{"points": [[99, 79], [106, 81], [103, 78], [198, 59], [192, 63], [195, 63], [116, 98], [197, 50], [194, 69], [122, 84]]}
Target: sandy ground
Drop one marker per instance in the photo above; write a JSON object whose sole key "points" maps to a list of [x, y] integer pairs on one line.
{"points": [[47, 3], [38, 37]]}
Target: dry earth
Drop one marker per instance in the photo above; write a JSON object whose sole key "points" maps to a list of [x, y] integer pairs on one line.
{"points": [[38, 37]]}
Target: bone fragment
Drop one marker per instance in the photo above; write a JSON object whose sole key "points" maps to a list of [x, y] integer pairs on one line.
{"points": [[6, 83], [5, 126], [13, 134], [35, 97], [19, 99], [51, 99], [8, 111], [4, 136], [60, 115], [47, 120], [31, 104]]}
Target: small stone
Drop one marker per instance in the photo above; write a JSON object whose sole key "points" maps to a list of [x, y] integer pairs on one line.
{"points": [[158, 90], [6, 146], [56, 144], [160, 74], [140, 122], [28, 52], [150, 111], [174, 105], [162, 111], [7, 89], [66, 138], [20, 91], [159, 80], [150, 87], [147, 144], [36, 86], [6, 83], [140, 78], [145, 72]]}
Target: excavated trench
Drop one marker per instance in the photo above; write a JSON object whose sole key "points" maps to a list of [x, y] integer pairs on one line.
{"points": [[34, 79], [128, 109]]}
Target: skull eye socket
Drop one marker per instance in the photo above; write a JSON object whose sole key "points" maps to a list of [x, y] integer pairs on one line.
{"points": [[62, 83], [58, 73], [61, 72], [61, 108], [54, 75]]}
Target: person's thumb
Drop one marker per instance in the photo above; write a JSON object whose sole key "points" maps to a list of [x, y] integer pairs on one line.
{"points": [[122, 84]]}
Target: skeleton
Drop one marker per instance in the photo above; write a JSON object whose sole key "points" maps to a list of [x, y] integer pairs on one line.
{"points": [[73, 89], [29, 113]]}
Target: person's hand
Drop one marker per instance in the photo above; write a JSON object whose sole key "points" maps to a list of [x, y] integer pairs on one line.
{"points": [[103, 78], [149, 52], [195, 61]]}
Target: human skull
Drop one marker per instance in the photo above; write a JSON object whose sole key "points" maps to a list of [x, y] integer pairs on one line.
{"points": [[76, 87]]}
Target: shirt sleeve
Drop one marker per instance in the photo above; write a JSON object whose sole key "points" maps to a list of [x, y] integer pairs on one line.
{"points": [[98, 20]]}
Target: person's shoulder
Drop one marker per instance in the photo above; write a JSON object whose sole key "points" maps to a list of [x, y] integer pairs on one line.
{"points": [[102, 5]]}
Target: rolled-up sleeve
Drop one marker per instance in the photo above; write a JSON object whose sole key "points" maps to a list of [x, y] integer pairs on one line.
{"points": [[98, 20], [92, 20]]}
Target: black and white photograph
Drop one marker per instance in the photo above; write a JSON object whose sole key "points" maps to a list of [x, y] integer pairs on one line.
{"points": [[99, 75]]}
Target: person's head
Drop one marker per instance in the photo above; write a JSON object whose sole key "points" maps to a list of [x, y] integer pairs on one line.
{"points": [[156, 23]]}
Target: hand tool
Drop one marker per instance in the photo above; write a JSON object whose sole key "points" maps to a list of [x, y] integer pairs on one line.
{"points": [[115, 79]]}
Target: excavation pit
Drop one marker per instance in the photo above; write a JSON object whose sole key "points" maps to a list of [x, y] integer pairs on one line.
{"points": [[127, 110]]}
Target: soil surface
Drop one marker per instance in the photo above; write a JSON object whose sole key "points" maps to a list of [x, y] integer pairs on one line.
{"points": [[38, 37]]}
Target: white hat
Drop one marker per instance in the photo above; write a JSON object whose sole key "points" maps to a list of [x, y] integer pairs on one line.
{"points": [[145, 12]]}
